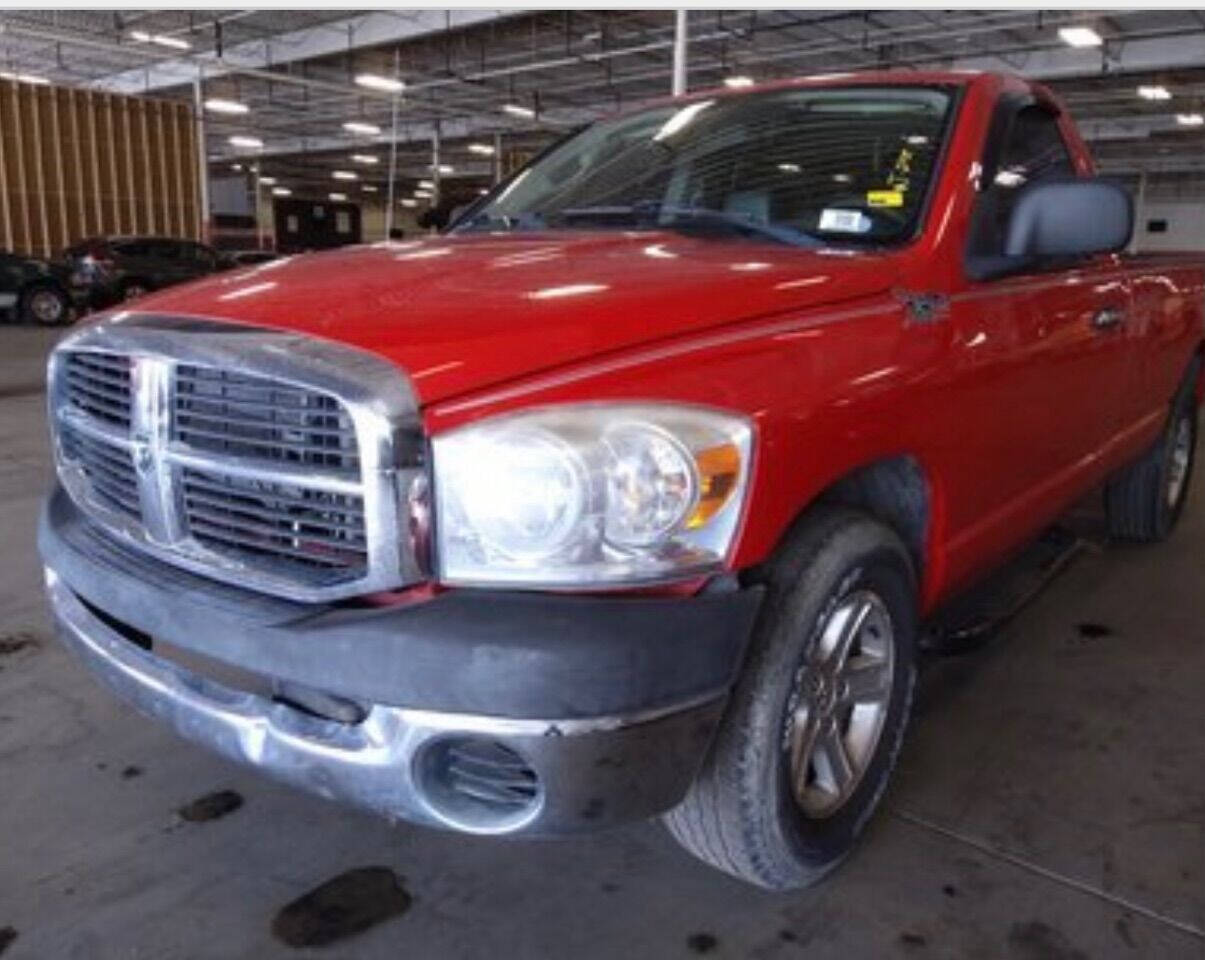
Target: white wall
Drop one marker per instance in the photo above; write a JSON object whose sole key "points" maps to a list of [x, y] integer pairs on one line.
{"points": [[1185, 225]]}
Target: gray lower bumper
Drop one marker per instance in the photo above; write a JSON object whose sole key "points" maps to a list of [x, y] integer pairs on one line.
{"points": [[587, 772]]}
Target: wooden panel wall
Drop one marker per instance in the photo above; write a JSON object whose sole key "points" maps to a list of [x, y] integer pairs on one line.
{"points": [[80, 163]]}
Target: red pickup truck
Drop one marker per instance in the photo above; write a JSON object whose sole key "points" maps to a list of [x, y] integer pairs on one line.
{"points": [[625, 496]]}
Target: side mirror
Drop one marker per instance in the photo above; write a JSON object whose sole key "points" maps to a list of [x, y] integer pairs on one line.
{"points": [[1069, 218]]}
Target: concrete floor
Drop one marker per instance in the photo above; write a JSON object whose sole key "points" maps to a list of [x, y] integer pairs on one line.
{"points": [[1050, 803]]}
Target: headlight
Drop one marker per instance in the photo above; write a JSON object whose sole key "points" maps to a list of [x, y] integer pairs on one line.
{"points": [[589, 495]]}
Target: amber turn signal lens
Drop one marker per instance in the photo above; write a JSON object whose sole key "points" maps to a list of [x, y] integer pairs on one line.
{"points": [[719, 470]]}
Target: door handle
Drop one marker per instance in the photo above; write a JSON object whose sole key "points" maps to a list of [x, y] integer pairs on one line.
{"points": [[1108, 317]]}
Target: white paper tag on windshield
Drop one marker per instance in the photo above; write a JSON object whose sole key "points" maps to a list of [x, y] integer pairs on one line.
{"points": [[844, 221]]}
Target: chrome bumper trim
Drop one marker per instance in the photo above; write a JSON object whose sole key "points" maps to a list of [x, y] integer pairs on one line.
{"points": [[592, 772]]}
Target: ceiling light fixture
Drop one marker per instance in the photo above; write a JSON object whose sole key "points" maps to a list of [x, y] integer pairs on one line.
{"points": [[376, 82], [424, 194], [281, 192], [361, 127], [407, 202], [426, 185], [267, 181], [516, 110], [735, 83], [443, 167], [337, 197], [247, 143], [1190, 119], [365, 158], [481, 149], [1154, 93], [163, 40], [218, 105], [368, 188], [344, 174], [1080, 37]]}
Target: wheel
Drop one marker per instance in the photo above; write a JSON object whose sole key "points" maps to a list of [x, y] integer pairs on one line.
{"points": [[133, 289], [45, 306], [1144, 501], [815, 723]]}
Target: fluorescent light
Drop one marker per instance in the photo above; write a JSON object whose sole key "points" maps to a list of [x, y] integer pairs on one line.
{"points": [[481, 149], [236, 167], [443, 168], [368, 188], [1190, 119], [249, 143], [425, 194], [789, 167], [24, 78], [916, 140], [426, 185], [375, 82], [1154, 93], [267, 181], [365, 158], [842, 178], [359, 126], [176, 43], [218, 105], [515, 110], [736, 83], [483, 191], [407, 202], [281, 192], [337, 196], [344, 175], [1080, 37]]}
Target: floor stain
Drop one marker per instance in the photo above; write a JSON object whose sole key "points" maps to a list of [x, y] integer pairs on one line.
{"points": [[16, 642], [950, 890], [132, 771], [1093, 631], [211, 806], [343, 906], [7, 936], [702, 942], [913, 940], [1036, 940]]}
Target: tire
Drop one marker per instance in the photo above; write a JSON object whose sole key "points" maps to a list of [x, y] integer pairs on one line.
{"points": [[1144, 501], [742, 814], [45, 306]]}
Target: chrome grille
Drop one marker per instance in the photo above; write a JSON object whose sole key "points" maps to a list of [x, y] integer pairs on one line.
{"points": [[98, 385], [108, 468], [246, 416], [248, 455], [277, 522]]}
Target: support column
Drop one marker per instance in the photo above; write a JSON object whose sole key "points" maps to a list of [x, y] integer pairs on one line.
{"points": [[497, 156], [198, 97], [679, 83]]}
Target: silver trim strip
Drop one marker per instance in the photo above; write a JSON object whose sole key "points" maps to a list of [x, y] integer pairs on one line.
{"points": [[375, 394]]}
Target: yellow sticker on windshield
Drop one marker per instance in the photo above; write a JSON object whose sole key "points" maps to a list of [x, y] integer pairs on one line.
{"points": [[884, 198]]}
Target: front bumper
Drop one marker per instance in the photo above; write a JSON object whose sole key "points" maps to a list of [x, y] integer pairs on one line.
{"points": [[599, 732]]}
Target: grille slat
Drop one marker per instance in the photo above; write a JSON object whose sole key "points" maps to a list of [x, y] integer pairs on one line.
{"points": [[109, 470], [216, 534], [240, 507], [98, 384]]}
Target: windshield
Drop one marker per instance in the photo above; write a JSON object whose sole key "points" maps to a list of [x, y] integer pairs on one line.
{"points": [[800, 166]]}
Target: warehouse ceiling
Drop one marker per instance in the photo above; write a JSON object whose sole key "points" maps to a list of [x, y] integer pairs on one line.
{"points": [[481, 74]]}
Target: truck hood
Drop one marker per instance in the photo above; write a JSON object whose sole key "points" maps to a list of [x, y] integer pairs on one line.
{"points": [[462, 313]]}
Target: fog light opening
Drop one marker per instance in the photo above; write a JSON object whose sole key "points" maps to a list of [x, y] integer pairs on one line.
{"points": [[478, 785]]}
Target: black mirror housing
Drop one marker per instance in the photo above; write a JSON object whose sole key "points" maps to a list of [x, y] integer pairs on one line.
{"points": [[1069, 218]]}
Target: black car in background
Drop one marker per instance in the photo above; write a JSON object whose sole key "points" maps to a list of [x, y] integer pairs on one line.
{"points": [[249, 258], [122, 268], [35, 291]]}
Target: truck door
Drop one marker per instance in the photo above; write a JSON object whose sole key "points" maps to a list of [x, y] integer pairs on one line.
{"points": [[1042, 360]]}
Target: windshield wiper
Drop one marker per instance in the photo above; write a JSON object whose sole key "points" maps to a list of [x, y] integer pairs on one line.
{"points": [[671, 217]]}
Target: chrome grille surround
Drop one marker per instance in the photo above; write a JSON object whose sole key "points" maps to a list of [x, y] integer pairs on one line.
{"points": [[275, 461]]}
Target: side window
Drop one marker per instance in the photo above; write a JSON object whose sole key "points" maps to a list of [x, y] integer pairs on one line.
{"points": [[1034, 150], [1031, 149]]}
